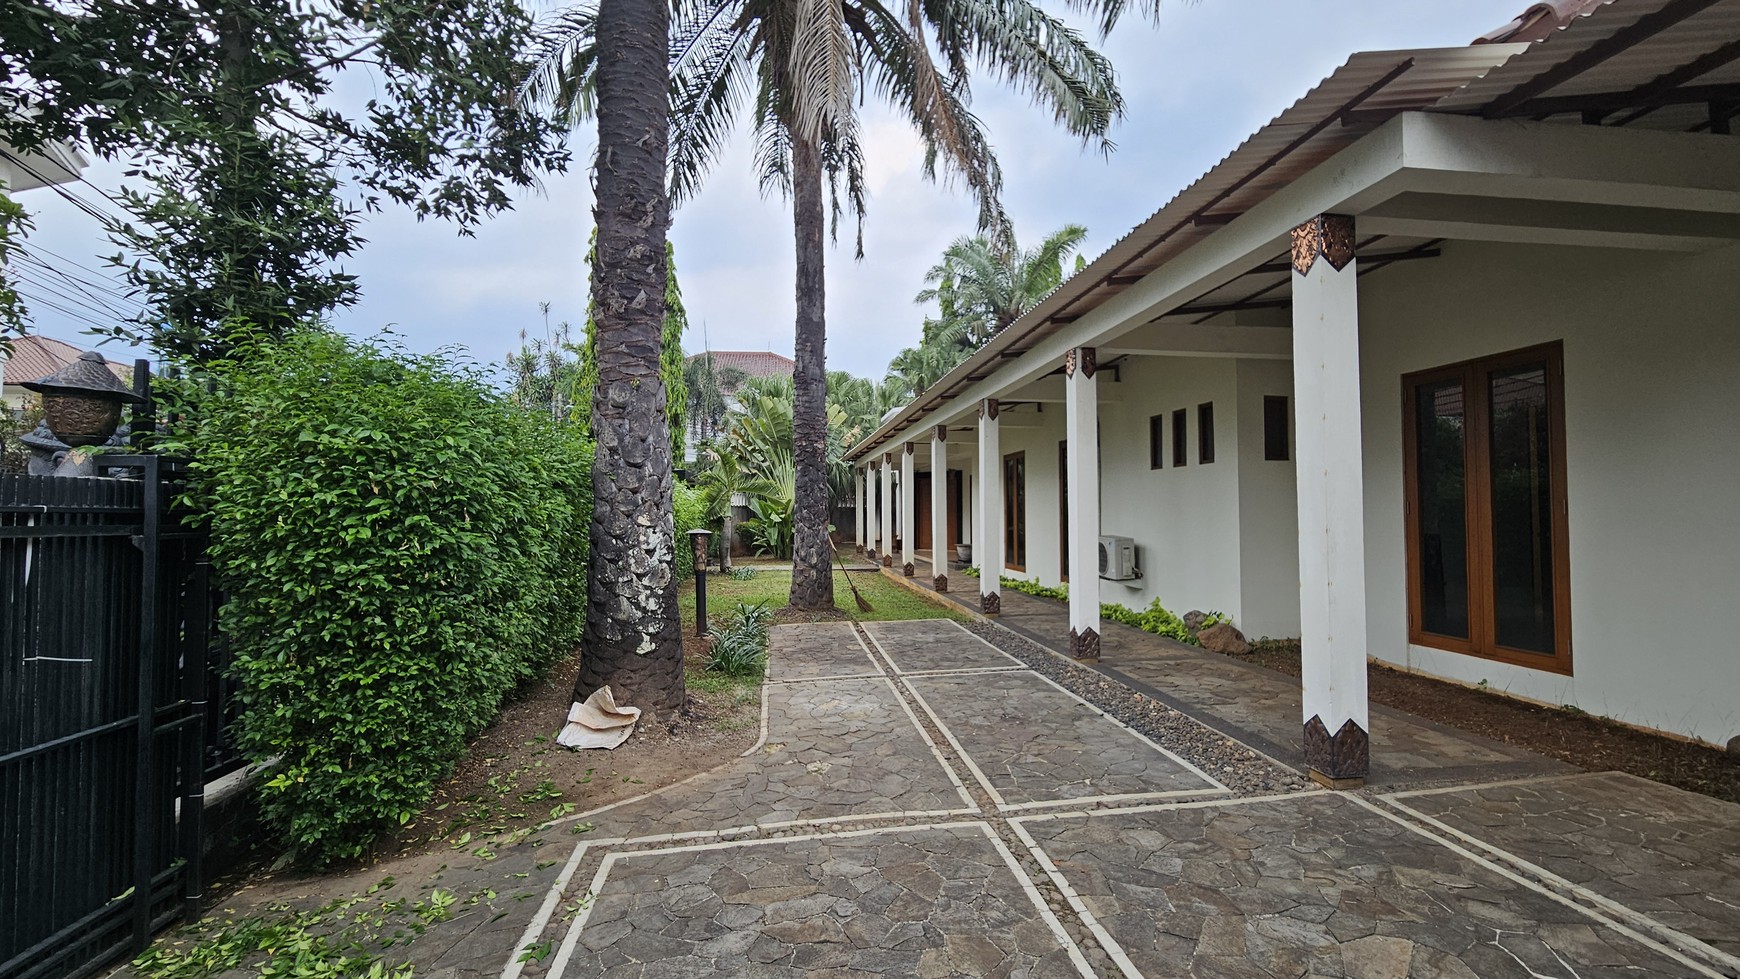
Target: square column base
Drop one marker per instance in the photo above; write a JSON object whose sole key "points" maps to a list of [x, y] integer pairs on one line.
{"points": [[991, 604], [1337, 761], [908, 570], [1084, 646], [888, 560], [940, 583]]}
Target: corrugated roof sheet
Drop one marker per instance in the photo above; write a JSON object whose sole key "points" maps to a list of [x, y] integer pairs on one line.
{"points": [[1635, 43]]}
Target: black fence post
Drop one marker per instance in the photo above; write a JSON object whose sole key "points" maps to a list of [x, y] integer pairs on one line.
{"points": [[144, 822]]}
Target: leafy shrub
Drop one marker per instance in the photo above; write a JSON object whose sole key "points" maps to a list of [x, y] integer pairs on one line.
{"points": [[689, 507], [742, 572], [740, 640], [1156, 619], [770, 530], [401, 547]]}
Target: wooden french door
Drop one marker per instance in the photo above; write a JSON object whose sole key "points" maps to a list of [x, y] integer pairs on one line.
{"points": [[1015, 511]]}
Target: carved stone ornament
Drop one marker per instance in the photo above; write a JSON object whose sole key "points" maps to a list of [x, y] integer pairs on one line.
{"points": [[991, 604], [888, 560], [941, 583], [909, 448], [1342, 757], [988, 409], [1069, 362], [1329, 236], [1085, 645], [942, 433], [888, 458], [907, 570], [1089, 361]]}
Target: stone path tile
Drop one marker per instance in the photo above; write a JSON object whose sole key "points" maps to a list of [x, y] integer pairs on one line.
{"points": [[1319, 885], [817, 650], [1262, 708], [940, 901], [936, 644], [834, 748], [1652, 848], [1031, 743]]}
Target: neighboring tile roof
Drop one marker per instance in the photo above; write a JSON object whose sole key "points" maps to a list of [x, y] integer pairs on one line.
{"points": [[35, 357], [755, 363]]}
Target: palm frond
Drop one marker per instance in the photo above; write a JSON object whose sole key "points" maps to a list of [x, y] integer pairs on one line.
{"points": [[564, 56], [711, 73]]}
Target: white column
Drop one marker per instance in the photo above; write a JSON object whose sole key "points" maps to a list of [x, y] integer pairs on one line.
{"points": [[1081, 427], [1332, 626], [939, 509], [887, 548], [908, 512], [861, 515], [989, 546]]}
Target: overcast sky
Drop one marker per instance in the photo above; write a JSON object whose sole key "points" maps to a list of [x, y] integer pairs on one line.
{"points": [[1209, 74]]}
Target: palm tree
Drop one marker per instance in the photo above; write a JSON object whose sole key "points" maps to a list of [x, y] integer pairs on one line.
{"points": [[633, 638], [985, 282], [801, 67]]}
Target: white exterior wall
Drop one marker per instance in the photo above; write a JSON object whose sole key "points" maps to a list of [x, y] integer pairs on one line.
{"points": [[1185, 521], [1036, 430], [1652, 356], [1268, 514]]}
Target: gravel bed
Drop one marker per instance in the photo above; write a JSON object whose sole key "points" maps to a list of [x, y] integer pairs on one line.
{"points": [[1236, 766]]}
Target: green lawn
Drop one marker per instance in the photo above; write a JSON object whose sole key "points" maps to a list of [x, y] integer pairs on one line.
{"points": [[890, 600]]}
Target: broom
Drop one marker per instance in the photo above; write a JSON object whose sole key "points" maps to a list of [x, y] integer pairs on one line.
{"points": [[863, 606]]}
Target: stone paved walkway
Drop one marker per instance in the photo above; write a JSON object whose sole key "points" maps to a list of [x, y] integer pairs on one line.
{"points": [[1258, 707], [922, 803]]}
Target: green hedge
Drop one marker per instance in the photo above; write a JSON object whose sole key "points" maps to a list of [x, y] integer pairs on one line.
{"points": [[689, 507], [401, 548]]}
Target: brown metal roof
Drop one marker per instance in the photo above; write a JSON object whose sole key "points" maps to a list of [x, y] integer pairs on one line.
{"points": [[1539, 20], [35, 357], [1625, 61]]}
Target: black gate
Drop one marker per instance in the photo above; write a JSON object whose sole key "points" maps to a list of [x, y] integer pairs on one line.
{"points": [[107, 693]]}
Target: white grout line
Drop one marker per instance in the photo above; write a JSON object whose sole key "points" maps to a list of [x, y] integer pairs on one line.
{"points": [[819, 679], [1045, 912], [1210, 779], [1039, 817], [1123, 797], [859, 639], [1107, 942], [972, 766], [1680, 938], [1480, 786], [572, 938], [1535, 886], [551, 900], [966, 797], [968, 671], [905, 672], [759, 742]]}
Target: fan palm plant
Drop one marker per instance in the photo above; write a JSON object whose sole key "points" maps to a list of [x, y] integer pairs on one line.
{"points": [[985, 282], [800, 67]]}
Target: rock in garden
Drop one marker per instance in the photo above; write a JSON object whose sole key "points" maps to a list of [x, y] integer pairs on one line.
{"points": [[1194, 619], [1223, 638]]}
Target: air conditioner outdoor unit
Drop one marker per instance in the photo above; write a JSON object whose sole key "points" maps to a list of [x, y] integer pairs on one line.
{"points": [[1118, 558]]}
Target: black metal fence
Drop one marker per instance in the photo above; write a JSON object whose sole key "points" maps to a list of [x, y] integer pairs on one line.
{"points": [[108, 690]]}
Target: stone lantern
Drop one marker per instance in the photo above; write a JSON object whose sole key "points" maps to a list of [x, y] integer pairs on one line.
{"points": [[81, 402]]}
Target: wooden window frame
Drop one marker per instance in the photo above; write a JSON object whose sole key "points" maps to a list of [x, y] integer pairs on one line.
{"points": [[1477, 449], [1014, 514], [1285, 442], [1205, 434], [1180, 438], [1156, 441]]}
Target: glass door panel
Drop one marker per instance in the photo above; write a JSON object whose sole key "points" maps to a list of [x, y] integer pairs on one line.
{"points": [[1440, 446], [1522, 508]]}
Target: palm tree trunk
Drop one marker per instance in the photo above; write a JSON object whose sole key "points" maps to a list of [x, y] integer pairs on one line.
{"points": [[812, 578], [633, 639]]}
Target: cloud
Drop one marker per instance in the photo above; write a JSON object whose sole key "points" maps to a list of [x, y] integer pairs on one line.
{"points": [[1196, 84]]}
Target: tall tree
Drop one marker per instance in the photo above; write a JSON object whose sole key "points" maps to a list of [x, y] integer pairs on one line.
{"points": [[982, 284], [250, 176], [801, 66], [633, 639]]}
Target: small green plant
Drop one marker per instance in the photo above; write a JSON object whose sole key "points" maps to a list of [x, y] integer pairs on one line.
{"points": [[740, 640], [1156, 618], [742, 572]]}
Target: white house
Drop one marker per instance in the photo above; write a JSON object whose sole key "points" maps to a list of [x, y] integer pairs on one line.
{"points": [[1436, 368]]}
